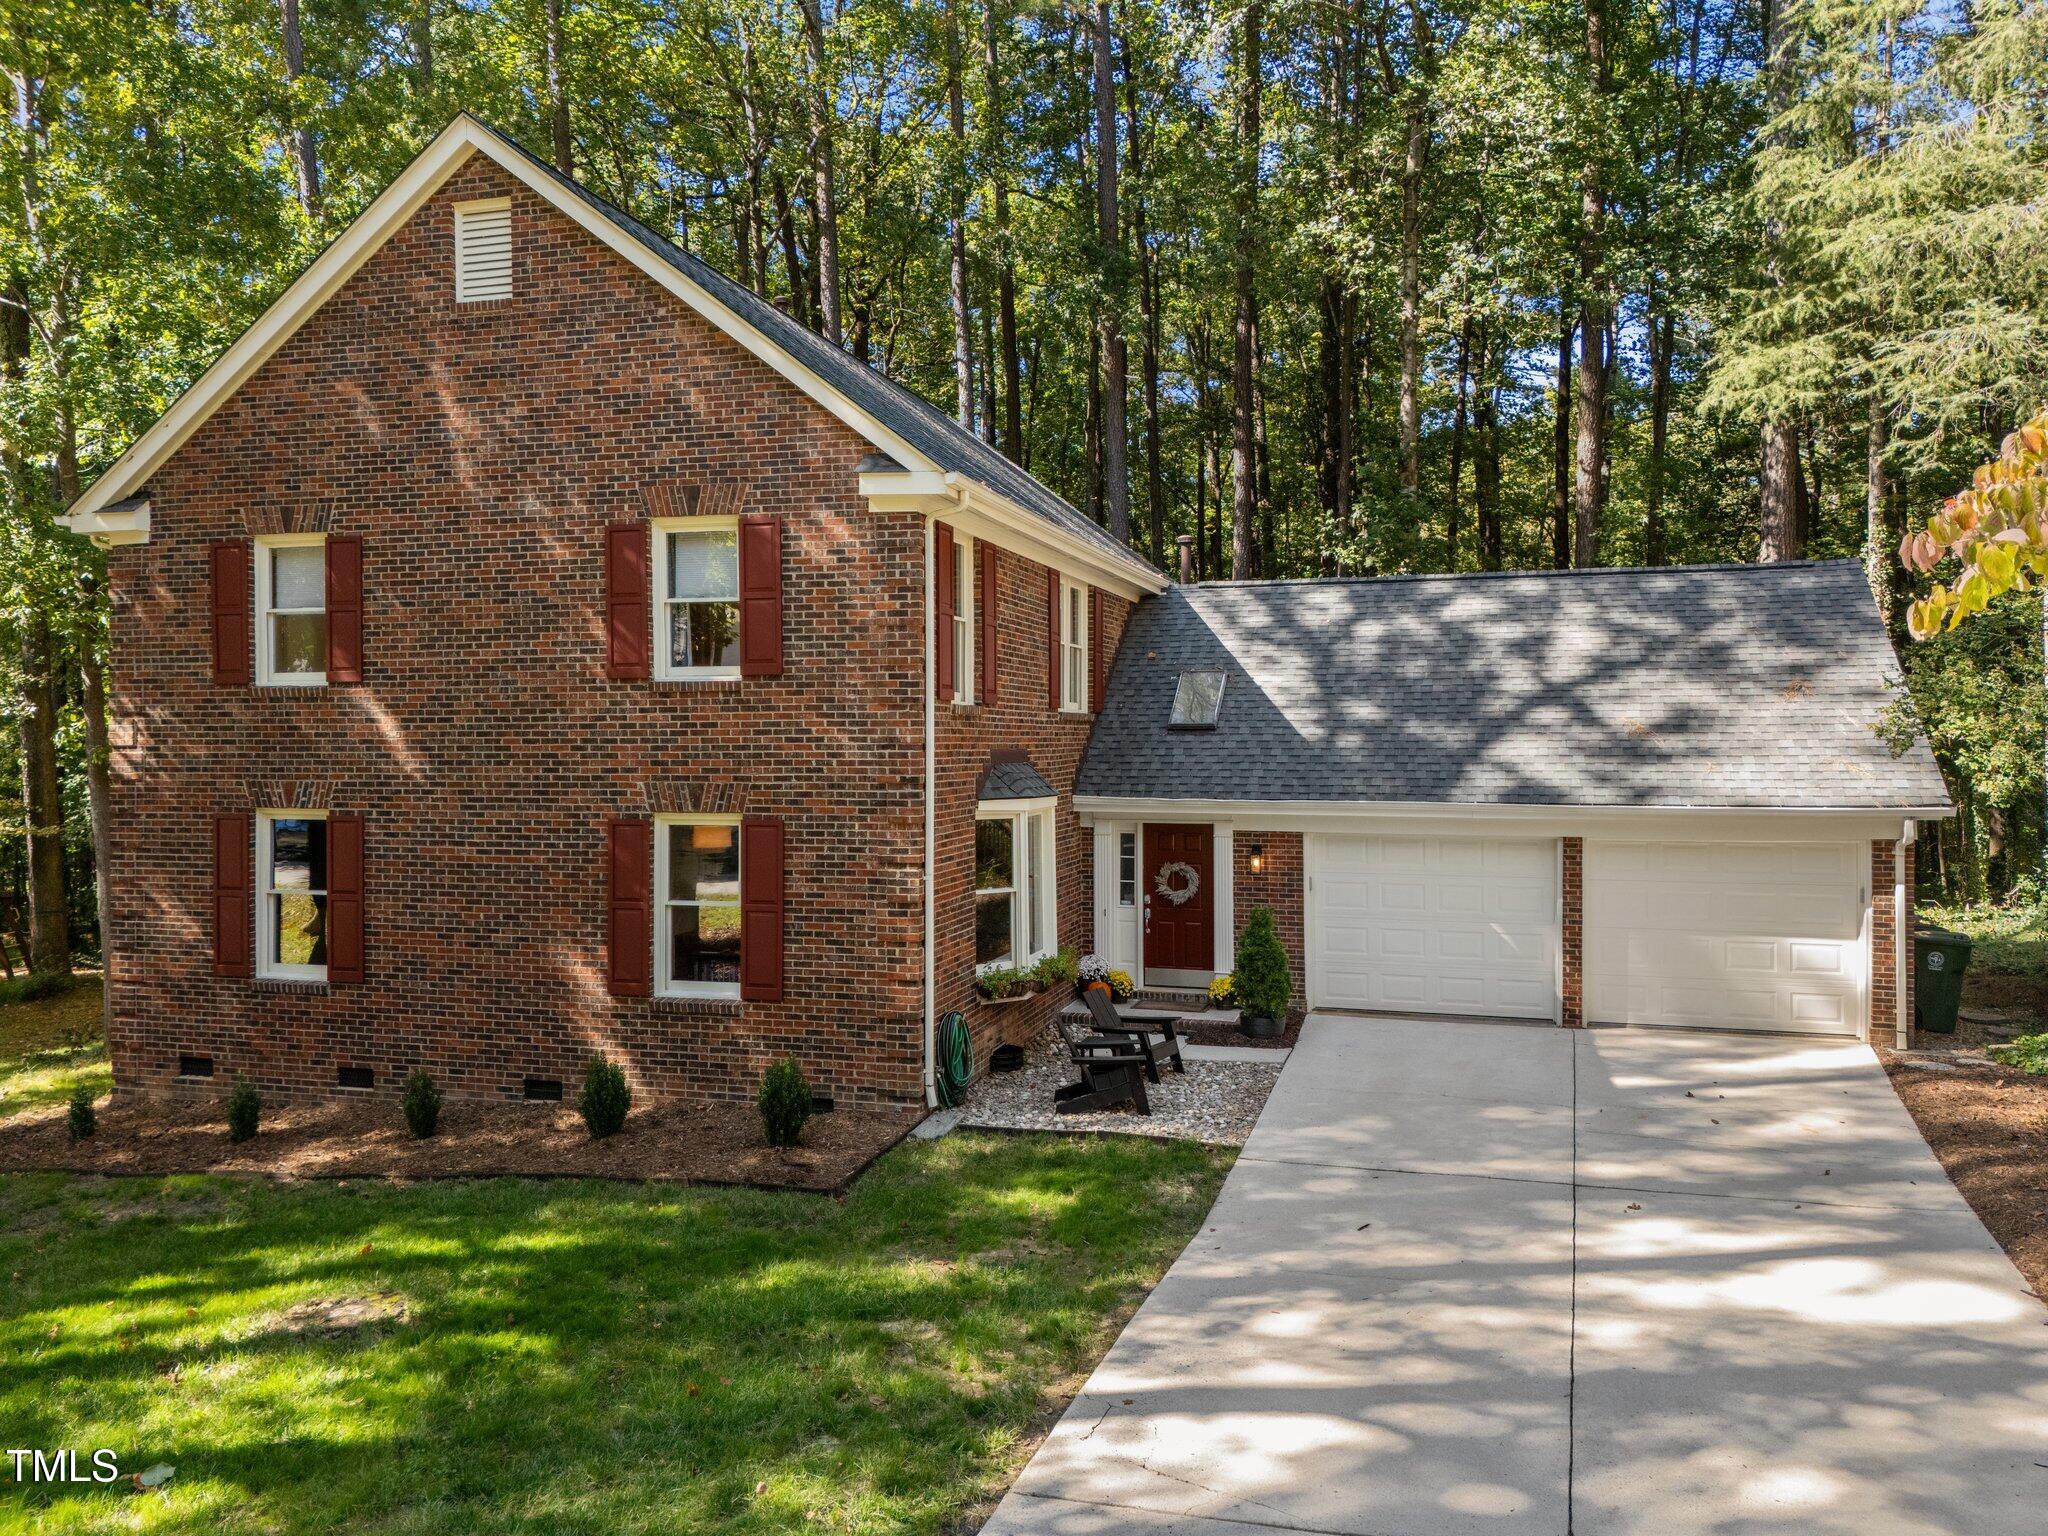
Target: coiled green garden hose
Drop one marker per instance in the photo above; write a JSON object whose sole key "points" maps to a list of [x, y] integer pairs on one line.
{"points": [[956, 1059]]}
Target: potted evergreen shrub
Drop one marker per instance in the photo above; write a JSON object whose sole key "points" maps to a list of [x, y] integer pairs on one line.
{"points": [[1260, 979]]}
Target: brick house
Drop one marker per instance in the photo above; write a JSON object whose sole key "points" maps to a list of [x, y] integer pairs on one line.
{"points": [[527, 642]]}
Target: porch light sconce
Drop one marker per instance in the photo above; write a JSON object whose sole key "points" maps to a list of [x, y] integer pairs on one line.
{"points": [[1258, 858]]}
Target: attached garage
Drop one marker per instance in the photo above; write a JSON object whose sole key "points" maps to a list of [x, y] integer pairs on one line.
{"points": [[1433, 925], [1763, 936]]}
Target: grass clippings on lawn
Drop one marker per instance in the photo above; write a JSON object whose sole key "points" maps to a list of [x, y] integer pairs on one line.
{"points": [[520, 1356], [1989, 1128], [358, 1138]]}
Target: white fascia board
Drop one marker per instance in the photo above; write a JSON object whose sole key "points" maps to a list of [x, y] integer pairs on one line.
{"points": [[111, 528], [1761, 823], [449, 151]]}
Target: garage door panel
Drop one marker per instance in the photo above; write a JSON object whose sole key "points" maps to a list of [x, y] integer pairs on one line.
{"points": [[1757, 936], [1434, 925]]}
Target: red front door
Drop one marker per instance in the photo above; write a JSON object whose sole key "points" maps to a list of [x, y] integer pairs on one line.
{"points": [[1180, 936]]}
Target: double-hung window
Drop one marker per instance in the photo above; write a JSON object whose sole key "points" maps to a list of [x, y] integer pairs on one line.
{"points": [[697, 892], [291, 890], [697, 598], [963, 621], [291, 610], [1074, 647], [1014, 884]]}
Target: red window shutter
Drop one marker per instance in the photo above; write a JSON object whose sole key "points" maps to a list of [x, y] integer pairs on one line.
{"points": [[234, 892], [761, 881], [628, 602], [1052, 638], [760, 597], [234, 634], [344, 614], [629, 933], [345, 897], [989, 612], [1098, 664], [948, 604]]}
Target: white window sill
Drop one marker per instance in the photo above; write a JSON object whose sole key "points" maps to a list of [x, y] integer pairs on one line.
{"points": [[712, 993], [1069, 709], [701, 675], [300, 974], [294, 680]]}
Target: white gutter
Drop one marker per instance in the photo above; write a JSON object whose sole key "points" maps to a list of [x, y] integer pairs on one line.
{"points": [[1137, 805], [931, 816], [1902, 942]]}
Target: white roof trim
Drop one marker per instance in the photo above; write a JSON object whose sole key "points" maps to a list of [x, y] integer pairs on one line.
{"points": [[1126, 806], [451, 148], [127, 523]]}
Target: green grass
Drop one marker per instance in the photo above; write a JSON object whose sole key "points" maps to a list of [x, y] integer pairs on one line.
{"points": [[577, 1356], [50, 1042], [2006, 941]]}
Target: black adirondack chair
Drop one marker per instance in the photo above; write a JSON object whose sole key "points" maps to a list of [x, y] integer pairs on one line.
{"points": [[1152, 1030], [1112, 1069]]}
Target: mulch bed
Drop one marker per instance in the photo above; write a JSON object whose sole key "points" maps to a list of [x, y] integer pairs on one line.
{"points": [[1192, 1028], [1989, 1127], [323, 1139]]}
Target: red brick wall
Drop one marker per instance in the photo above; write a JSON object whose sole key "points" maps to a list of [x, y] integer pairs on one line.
{"points": [[1019, 719], [480, 451], [1278, 886], [1574, 932], [1884, 940]]}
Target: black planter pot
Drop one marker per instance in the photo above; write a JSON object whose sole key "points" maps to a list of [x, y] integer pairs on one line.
{"points": [[1260, 1029]]}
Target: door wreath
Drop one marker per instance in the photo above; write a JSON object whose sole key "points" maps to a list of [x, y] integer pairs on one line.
{"points": [[1177, 883]]}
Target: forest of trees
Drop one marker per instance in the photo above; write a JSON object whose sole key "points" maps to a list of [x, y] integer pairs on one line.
{"points": [[1332, 286]]}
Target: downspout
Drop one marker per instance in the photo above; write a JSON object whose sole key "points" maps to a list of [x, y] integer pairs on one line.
{"points": [[1902, 943], [931, 817]]}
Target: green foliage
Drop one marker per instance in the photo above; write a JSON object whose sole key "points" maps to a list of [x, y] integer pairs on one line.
{"points": [[1121, 986], [1260, 979], [784, 1102], [605, 1098], [1001, 981], [2029, 1053], [1062, 968], [1223, 991], [245, 1110], [2009, 940], [80, 1115], [33, 987], [422, 1104]]}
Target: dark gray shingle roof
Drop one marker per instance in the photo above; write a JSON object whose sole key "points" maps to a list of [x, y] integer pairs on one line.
{"points": [[1737, 686], [903, 411], [1014, 780]]}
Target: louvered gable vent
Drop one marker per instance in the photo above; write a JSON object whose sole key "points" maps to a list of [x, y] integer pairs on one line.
{"points": [[483, 251]]}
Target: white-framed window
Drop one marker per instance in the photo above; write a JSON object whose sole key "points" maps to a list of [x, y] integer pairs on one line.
{"points": [[483, 250], [963, 621], [291, 610], [697, 597], [697, 901], [1015, 887], [291, 895], [1073, 647], [1127, 869]]}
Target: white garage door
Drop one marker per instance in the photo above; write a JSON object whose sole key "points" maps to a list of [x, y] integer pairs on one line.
{"points": [[1727, 936], [1434, 925]]}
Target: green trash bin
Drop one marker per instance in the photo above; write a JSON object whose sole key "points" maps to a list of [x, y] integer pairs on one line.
{"points": [[1939, 960]]}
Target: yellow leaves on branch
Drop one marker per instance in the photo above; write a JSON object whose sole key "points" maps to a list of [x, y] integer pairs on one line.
{"points": [[1997, 529]]}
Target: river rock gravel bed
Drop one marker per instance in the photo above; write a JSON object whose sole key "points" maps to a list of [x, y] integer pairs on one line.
{"points": [[1214, 1101]]}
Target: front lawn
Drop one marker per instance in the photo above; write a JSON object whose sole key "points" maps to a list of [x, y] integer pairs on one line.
{"points": [[575, 1356]]}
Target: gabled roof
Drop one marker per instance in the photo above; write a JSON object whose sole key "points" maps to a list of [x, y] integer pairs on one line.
{"points": [[895, 420], [1751, 687]]}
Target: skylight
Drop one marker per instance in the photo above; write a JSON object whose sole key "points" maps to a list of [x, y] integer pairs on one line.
{"points": [[1197, 700]]}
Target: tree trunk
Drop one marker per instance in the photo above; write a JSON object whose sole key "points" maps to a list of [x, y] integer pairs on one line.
{"points": [[1458, 428], [1006, 266], [1243, 472], [1411, 292], [557, 70], [305, 149], [42, 800], [792, 254], [1781, 491], [822, 173], [99, 807], [1663, 337], [1596, 312], [1877, 539], [1116, 476], [1561, 444], [1486, 461], [956, 116], [423, 47]]}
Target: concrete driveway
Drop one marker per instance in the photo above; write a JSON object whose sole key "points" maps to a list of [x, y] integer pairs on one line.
{"points": [[1490, 1278]]}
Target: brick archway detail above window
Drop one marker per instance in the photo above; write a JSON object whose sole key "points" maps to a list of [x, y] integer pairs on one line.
{"points": [[272, 518], [294, 794], [673, 797], [676, 498]]}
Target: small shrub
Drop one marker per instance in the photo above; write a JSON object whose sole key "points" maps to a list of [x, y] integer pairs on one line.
{"points": [[1056, 968], [1001, 981], [605, 1098], [1093, 968], [2029, 1053], [245, 1110], [422, 1104], [84, 1119], [784, 1101], [1121, 986], [1260, 979], [1223, 992]]}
